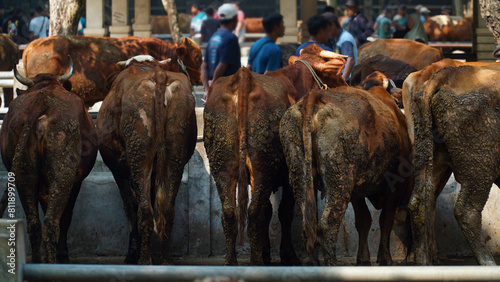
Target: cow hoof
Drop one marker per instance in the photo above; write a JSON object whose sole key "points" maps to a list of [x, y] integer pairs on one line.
{"points": [[62, 259], [363, 263]]}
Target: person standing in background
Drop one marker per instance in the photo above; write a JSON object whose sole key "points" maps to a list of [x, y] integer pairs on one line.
{"points": [[385, 26], [400, 22], [39, 25], [417, 30], [356, 23], [344, 43], [265, 55], [240, 27], [222, 55], [16, 27], [319, 31], [198, 17], [209, 26]]}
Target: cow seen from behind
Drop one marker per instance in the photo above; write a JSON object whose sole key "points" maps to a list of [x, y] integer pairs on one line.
{"points": [[49, 141], [147, 130]]}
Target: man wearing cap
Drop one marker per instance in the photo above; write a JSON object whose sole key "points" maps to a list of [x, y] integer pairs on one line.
{"points": [[265, 55], [424, 12], [356, 23], [222, 56]]}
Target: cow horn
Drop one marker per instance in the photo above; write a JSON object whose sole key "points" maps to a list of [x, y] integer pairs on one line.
{"points": [[166, 61], [331, 55], [65, 77], [385, 83], [122, 64], [26, 81]]}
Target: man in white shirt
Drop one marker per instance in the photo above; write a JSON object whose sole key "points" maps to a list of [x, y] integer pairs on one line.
{"points": [[39, 25]]}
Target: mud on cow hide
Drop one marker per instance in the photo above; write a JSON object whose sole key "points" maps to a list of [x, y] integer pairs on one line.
{"points": [[241, 136], [147, 130], [348, 144], [454, 120], [48, 140], [95, 59]]}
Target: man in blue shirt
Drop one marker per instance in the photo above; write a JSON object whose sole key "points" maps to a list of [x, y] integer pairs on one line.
{"points": [[222, 56], [319, 31], [265, 54], [344, 43]]}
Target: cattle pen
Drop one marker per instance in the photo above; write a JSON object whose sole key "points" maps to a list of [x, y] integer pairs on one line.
{"points": [[194, 238]]}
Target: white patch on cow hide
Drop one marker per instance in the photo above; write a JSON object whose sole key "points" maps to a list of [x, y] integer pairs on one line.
{"points": [[140, 58], [145, 120], [172, 88]]}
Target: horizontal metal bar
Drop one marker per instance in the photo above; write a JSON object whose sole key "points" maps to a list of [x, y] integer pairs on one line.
{"points": [[75, 272], [7, 74]]}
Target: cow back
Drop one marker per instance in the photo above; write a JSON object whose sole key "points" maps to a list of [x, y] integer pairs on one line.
{"points": [[416, 54], [9, 53]]}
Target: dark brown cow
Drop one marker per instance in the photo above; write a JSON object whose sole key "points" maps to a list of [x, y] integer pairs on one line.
{"points": [[393, 69], [95, 59], [147, 130], [454, 120], [241, 135], [161, 25], [416, 54], [48, 140], [9, 57], [349, 144]]}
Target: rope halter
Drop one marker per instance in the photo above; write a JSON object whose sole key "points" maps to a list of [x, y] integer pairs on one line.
{"points": [[315, 76]]}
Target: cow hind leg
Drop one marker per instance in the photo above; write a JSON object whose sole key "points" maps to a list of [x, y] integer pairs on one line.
{"points": [[62, 244], [363, 221], [470, 203], [226, 186], [285, 214], [145, 213], [386, 222], [335, 206], [130, 207], [258, 226], [29, 201]]}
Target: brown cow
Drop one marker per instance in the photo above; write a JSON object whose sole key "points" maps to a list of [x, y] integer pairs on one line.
{"points": [[349, 144], [416, 54], [446, 28], [9, 57], [95, 59], [147, 130], [161, 25], [48, 140], [241, 136], [254, 25], [453, 118]]}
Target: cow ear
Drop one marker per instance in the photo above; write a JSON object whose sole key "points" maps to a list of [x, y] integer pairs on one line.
{"points": [[181, 50], [292, 59]]}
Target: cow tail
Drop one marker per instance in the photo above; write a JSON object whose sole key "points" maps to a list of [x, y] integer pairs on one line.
{"points": [[423, 191], [160, 121], [19, 165], [243, 177], [310, 209]]}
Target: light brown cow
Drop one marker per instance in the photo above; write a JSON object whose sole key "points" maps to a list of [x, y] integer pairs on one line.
{"points": [[161, 25], [95, 59], [446, 28], [147, 130], [241, 136], [348, 144], [453, 119], [48, 140], [416, 54]]}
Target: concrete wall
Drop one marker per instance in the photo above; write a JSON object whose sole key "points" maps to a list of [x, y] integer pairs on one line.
{"points": [[100, 227]]}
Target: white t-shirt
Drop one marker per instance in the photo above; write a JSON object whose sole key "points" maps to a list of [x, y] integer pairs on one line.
{"points": [[36, 26]]}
